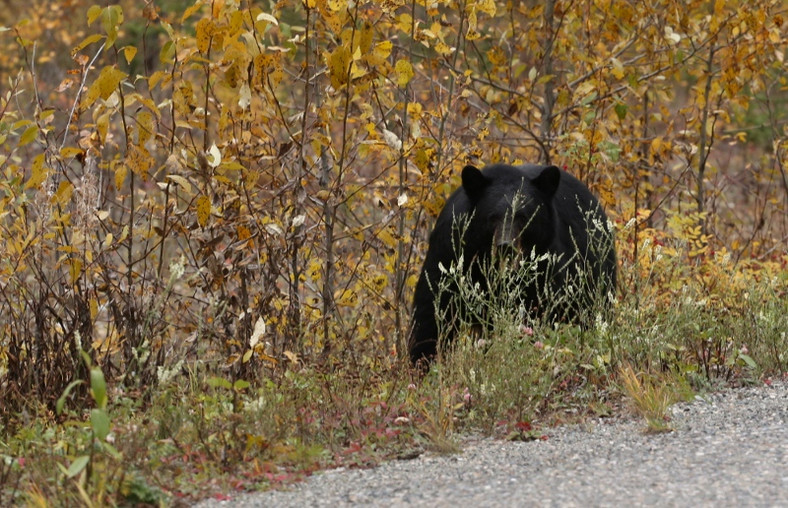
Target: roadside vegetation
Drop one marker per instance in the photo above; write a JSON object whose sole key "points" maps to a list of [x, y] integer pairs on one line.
{"points": [[213, 214]]}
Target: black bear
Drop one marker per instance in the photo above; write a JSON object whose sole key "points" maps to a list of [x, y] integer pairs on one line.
{"points": [[541, 213]]}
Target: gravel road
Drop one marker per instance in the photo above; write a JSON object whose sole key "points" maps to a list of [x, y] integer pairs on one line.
{"points": [[728, 449]]}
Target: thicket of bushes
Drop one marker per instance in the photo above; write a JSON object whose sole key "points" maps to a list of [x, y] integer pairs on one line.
{"points": [[244, 190]]}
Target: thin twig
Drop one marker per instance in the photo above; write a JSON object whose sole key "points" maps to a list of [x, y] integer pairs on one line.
{"points": [[79, 93]]}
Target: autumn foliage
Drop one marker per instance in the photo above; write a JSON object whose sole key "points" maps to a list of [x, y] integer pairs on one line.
{"points": [[251, 184]]}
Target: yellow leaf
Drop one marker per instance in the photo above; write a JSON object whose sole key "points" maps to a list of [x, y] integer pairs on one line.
{"points": [[28, 136], [182, 182], [146, 127], [86, 42], [129, 52], [404, 72], [108, 81], [93, 13], [404, 22], [204, 30], [333, 21], [139, 160], [120, 175], [191, 10], [203, 210], [415, 109], [156, 77], [379, 53], [63, 194], [75, 269], [443, 49], [275, 76], [486, 6], [70, 151], [618, 68], [365, 39], [38, 173], [104, 85], [93, 308], [387, 238], [148, 103], [346, 298], [111, 19], [656, 143], [243, 232], [338, 62], [472, 34], [124, 234], [102, 125]]}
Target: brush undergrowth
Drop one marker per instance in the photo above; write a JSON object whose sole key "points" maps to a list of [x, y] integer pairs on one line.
{"points": [[199, 433]]}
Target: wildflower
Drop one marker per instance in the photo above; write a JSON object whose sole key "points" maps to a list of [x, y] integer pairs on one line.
{"points": [[526, 330]]}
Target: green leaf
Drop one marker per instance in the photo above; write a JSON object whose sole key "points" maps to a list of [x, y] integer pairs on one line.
{"points": [[748, 360], [62, 400], [98, 387], [111, 17], [240, 385], [219, 382], [167, 52], [77, 466], [99, 421], [93, 13], [112, 450], [621, 110]]}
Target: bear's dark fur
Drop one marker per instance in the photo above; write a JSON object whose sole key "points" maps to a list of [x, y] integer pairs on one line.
{"points": [[531, 210]]}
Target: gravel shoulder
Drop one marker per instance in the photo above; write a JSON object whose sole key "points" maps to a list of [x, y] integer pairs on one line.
{"points": [[728, 449]]}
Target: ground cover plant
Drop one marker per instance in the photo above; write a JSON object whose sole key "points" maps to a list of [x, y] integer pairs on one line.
{"points": [[213, 214]]}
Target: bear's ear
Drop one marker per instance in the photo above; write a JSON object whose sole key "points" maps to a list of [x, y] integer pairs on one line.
{"points": [[473, 181], [548, 180]]}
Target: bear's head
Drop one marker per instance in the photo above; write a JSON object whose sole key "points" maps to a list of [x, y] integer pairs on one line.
{"points": [[512, 205]]}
